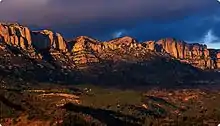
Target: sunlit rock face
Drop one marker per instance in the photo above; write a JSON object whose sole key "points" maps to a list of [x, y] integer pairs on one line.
{"points": [[218, 60], [49, 40], [123, 41], [17, 35], [14, 34], [82, 48], [195, 54]]}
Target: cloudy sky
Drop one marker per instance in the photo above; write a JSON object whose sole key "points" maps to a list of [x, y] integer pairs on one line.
{"points": [[189, 20]]}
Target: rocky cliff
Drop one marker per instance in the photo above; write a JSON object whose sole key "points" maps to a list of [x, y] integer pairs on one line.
{"points": [[196, 54], [19, 36], [16, 35], [123, 58]]}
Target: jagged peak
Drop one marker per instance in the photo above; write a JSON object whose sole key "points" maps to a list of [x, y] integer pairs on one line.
{"points": [[123, 37], [48, 32], [181, 42], [126, 37], [13, 25], [149, 41], [10, 23], [198, 44], [44, 31], [83, 39], [170, 39], [123, 40]]}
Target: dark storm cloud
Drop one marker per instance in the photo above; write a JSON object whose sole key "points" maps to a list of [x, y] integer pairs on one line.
{"points": [[144, 19], [191, 28], [76, 11]]}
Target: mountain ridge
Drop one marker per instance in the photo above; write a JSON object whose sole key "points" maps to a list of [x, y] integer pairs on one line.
{"points": [[23, 37], [48, 56]]}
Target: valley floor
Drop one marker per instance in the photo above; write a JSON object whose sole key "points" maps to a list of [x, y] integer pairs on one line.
{"points": [[49, 104]]}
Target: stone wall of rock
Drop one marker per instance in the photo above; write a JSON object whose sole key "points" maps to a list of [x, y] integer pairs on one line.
{"points": [[14, 34], [83, 50], [195, 54], [17, 35], [49, 40], [217, 59]]}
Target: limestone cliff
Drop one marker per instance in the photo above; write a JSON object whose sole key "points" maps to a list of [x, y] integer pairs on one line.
{"points": [[196, 54], [47, 39], [83, 50], [16, 35], [20, 36]]}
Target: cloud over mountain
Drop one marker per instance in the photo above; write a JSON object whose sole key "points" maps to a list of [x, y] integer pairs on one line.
{"points": [[144, 19]]}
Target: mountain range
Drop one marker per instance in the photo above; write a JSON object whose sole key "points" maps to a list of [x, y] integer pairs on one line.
{"points": [[48, 56]]}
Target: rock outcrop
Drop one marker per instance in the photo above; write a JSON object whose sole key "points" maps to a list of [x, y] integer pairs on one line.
{"points": [[16, 35], [83, 50], [48, 40], [123, 41], [20, 36], [196, 54], [218, 60]]}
